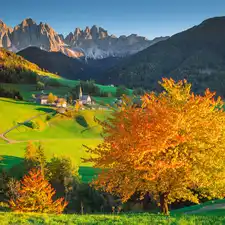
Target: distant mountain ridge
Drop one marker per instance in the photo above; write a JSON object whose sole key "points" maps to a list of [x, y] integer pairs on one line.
{"points": [[97, 43], [197, 54], [67, 67], [94, 42]]}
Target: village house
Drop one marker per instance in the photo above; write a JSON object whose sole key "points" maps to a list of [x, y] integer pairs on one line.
{"points": [[41, 99], [61, 102]]}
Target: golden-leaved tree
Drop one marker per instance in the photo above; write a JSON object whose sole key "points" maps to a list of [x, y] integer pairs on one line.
{"points": [[172, 145], [51, 98], [35, 195], [35, 157]]}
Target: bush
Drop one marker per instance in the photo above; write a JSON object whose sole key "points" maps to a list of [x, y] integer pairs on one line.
{"points": [[105, 94], [121, 90], [139, 91], [35, 195], [63, 176], [34, 125], [48, 117], [40, 85], [10, 93]]}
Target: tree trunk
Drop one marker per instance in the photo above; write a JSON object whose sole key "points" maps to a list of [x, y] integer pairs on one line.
{"points": [[82, 207], [164, 203]]}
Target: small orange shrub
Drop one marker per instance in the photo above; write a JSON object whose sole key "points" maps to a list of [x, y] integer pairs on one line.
{"points": [[35, 195]]}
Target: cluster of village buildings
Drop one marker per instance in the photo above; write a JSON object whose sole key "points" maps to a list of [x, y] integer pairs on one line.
{"points": [[61, 102]]}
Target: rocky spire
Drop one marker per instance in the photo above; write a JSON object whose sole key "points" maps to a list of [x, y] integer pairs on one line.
{"points": [[77, 31], [28, 22], [4, 35], [87, 30], [94, 32]]}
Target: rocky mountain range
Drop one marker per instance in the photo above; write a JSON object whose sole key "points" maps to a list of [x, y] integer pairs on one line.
{"points": [[94, 42]]}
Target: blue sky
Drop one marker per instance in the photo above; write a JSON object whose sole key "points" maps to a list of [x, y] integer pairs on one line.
{"points": [[150, 18]]}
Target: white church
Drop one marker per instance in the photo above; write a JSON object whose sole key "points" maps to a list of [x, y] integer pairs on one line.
{"points": [[85, 99]]}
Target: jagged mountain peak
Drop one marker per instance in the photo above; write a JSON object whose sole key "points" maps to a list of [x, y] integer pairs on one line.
{"points": [[2, 23], [77, 31], [28, 22], [5, 31], [91, 42], [3, 26], [61, 37]]}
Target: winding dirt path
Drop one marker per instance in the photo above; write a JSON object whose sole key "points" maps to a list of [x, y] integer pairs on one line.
{"points": [[9, 141]]}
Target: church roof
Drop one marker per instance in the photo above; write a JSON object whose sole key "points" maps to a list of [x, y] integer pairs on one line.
{"points": [[84, 97], [41, 96]]}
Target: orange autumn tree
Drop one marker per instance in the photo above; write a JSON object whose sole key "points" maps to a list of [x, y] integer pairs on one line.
{"points": [[35, 195], [172, 145]]}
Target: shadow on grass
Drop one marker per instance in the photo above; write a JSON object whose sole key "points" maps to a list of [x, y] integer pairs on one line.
{"points": [[13, 165], [20, 102], [9, 161], [88, 173], [81, 121], [46, 110]]}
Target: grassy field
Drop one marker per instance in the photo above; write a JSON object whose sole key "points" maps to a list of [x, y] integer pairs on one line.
{"points": [[14, 111], [27, 90], [122, 219], [13, 154], [62, 128], [59, 136]]}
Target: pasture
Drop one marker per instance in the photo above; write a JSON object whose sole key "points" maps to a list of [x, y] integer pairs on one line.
{"points": [[107, 219], [59, 135]]}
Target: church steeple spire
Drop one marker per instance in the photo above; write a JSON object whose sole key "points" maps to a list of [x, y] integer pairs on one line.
{"points": [[80, 94]]}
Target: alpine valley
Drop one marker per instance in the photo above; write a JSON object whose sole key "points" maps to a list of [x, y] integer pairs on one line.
{"points": [[196, 54], [106, 129]]}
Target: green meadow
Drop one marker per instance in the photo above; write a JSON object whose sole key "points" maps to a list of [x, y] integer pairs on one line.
{"points": [[27, 90], [121, 219], [60, 135], [13, 112]]}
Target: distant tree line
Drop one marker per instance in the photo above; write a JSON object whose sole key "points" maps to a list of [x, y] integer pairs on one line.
{"points": [[17, 75], [88, 87], [20, 186], [10, 93]]}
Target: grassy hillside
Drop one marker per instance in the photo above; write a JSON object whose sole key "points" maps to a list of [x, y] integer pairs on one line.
{"points": [[27, 90], [68, 67], [195, 54], [13, 112], [122, 219], [59, 135], [10, 63], [214, 208]]}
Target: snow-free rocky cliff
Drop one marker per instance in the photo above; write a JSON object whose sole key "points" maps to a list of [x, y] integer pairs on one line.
{"points": [[94, 42]]}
